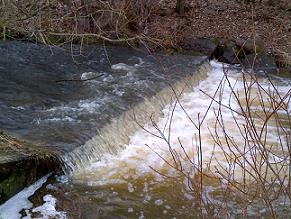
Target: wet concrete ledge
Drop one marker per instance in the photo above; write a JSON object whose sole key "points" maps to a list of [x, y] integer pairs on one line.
{"points": [[21, 164]]}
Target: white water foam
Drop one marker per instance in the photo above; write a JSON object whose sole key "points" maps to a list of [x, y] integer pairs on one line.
{"points": [[130, 69], [146, 152], [89, 75]]}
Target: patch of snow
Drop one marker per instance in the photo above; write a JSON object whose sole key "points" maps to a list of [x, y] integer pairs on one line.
{"points": [[11, 208], [48, 209]]}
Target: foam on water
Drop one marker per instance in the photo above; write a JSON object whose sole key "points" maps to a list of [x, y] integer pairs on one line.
{"points": [[130, 69], [146, 151]]}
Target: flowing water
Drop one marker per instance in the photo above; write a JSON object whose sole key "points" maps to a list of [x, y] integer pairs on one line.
{"points": [[36, 103], [154, 176], [146, 160]]}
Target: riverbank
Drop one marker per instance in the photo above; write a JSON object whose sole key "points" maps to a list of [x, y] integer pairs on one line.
{"points": [[223, 29], [21, 164]]}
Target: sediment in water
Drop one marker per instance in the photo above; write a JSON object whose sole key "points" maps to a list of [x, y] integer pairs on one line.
{"points": [[115, 135]]}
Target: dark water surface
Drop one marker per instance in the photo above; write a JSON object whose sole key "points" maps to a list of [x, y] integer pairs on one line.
{"points": [[66, 114]]}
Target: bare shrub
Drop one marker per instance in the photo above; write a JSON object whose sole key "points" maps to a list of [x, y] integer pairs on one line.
{"points": [[55, 22], [251, 174]]}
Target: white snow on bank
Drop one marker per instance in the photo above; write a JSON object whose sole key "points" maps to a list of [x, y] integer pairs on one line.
{"points": [[48, 209], [11, 208]]}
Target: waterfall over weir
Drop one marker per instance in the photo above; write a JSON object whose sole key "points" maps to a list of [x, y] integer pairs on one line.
{"points": [[115, 135], [127, 124], [82, 101]]}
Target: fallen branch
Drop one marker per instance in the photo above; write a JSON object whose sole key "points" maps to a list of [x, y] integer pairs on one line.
{"points": [[95, 35], [78, 80]]}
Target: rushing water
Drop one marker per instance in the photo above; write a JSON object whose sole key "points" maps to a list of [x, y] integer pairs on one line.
{"points": [[145, 181], [155, 173], [37, 105]]}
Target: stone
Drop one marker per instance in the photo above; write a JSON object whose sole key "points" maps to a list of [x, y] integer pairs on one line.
{"points": [[228, 52], [248, 45], [201, 45], [263, 63]]}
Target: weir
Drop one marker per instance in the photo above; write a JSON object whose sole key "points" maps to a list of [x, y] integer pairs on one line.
{"points": [[87, 101], [114, 136], [119, 169], [224, 140]]}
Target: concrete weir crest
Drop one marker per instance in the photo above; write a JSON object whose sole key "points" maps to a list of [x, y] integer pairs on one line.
{"points": [[114, 136], [81, 101]]}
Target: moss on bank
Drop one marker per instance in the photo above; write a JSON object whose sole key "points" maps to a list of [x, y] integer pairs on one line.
{"points": [[21, 164], [16, 149]]}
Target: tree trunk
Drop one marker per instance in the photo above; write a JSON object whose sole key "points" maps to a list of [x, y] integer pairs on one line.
{"points": [[180, 6]]}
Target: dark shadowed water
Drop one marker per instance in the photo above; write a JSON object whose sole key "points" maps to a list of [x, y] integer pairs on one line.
{"points": [[66, 114]]}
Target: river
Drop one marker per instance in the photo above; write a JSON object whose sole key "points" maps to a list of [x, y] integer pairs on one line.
{"points": [[232, 127]]}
